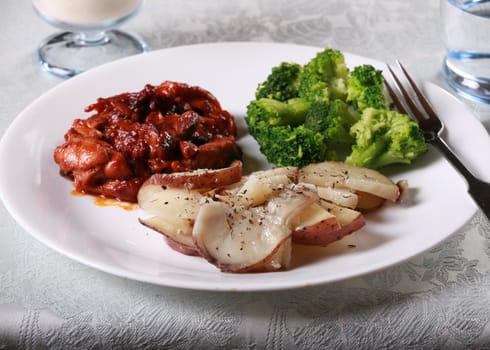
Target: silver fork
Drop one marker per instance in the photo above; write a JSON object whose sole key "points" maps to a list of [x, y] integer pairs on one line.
{"points": [[418, 107]]}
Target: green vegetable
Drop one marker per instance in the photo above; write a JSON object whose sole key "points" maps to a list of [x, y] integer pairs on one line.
{"points": [[290, 146], [365, 88], [333, 120], [319, 111], [324, 77], [282, 83], [274, 113], [278, 128], [385, 137]]}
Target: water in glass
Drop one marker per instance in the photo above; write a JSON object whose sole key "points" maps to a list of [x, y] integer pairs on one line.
{"points": [[466, 35]]}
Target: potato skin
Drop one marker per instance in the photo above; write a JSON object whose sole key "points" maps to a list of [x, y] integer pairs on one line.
{"points": [[353, 226], [182, 248], [320, 222], [339, 174], [316, 234], [171, 242], [203, 179], [263, 265], [327, 231]]}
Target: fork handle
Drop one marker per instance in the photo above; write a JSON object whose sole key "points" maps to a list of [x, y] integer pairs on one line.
{"points": [[478, 189]]}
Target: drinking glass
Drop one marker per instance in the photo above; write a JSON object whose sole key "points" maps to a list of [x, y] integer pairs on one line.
{"points": [[465, 28], [89, 37]]}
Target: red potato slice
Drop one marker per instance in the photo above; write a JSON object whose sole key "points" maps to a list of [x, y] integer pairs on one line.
{"points": [[362, 201], [350, 221], [259, 186], [201, 179], [239, 239], [281, 259], [341, 196], [315, 226], [181, 248], [405, 192], [173, 213], [177, 232], [169, 202], [368, 202], [248, 224], [339, 174]]}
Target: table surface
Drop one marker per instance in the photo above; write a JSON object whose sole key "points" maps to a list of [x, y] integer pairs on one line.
{"points": [[437, 300]]}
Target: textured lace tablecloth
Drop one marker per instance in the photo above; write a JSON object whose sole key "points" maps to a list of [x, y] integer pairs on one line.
{"points": [[438, 300]]}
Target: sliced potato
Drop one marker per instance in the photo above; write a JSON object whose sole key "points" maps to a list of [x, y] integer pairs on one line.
{"points": [[199, 179], [259, 186], [181, 248], [350, 221], [178, 232], [368, 202], [248, 224], [312, 215], [281, 259], [314, 224], [338, 174], [169, 202], [341, 196], [405, 192], [239, 239], [173, 213], [363, 201]]}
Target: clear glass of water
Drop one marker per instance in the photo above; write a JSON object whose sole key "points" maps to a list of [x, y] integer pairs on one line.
{"points": [[89, 37], [466, 35]]}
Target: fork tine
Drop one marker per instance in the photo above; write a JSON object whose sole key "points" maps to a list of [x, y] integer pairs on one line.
{"points": [[423, 100], [408, 99]]}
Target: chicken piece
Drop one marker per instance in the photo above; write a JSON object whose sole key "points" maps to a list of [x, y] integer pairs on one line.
{"points": [[82, 154], [160, 129]]}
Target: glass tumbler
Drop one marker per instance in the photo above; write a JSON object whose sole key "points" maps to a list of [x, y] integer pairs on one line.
{"points": [[89, 37], [465, 26]]}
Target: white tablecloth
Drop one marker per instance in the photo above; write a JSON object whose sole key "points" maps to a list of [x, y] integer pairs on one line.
{"points": [[438, 300]]}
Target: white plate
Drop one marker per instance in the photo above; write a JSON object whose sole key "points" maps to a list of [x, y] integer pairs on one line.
{"points": [[112, 240]]}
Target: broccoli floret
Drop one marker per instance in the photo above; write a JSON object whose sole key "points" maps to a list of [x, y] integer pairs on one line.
{"points": [[365, 88], [274, 113], [282, 83], [333, 120], [306, 114], [316, 118], [324, 77], [290, 146], [385, 137]]}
